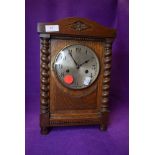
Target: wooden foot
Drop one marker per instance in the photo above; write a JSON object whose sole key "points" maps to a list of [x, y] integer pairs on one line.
{"points": [[103, 127], [44, 130]]}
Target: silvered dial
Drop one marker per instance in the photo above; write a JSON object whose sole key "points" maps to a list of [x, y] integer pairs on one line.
{"points": [[76, 66]]}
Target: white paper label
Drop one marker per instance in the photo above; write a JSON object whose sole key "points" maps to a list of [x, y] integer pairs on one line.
{"points": [[87, 81], [51, 28]]}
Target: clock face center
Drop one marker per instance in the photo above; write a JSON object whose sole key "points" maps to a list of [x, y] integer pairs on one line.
{"points": [[76, 66]]}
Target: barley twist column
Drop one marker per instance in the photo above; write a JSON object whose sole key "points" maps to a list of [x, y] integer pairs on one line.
{"points": [[106, 83], [44, 84]]}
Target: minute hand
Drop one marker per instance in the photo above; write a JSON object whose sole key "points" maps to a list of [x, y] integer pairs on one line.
{"points": [[73, 59]]}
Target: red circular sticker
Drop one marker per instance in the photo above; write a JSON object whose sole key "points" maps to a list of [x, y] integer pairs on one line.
{"points": [[68, 79]]}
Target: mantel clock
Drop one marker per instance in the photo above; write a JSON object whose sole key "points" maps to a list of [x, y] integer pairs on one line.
{"points": [[75, 64]]}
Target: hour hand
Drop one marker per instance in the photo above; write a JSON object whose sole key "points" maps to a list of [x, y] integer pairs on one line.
{"points": [[84, 62]]}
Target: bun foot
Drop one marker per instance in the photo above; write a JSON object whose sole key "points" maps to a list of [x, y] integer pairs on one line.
{"points": [[103, 127], [44, 130]]}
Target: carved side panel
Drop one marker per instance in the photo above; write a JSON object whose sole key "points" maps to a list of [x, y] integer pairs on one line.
{"points": [[106, 79], [44, 81]]}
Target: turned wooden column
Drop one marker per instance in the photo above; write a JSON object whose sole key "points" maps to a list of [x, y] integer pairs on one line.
{"points": [[106, 83], [44, 82]]}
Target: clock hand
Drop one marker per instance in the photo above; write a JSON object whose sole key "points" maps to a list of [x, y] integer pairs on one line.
{"points": [[85, 62], [73, 59]]}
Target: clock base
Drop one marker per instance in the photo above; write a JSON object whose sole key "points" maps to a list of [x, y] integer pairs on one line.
{"points": [[56, 120], [46, 130]]}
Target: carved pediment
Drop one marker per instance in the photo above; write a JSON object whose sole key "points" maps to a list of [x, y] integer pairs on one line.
{"points": [[75, 26]]}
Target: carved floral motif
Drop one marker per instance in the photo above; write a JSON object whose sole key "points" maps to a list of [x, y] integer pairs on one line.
{"points": [[79, 26]]}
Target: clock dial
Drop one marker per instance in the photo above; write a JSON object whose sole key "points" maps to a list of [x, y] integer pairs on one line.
{"points": [[76, 66]]}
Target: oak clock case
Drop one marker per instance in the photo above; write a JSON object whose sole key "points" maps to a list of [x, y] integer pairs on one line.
{"points": [[75, 68]]}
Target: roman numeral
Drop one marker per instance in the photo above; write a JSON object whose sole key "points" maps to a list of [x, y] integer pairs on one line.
{"points": [[70, 51], [91, 75], [93, 67], [64, 58], [78, 49], [60, 66], [61, 75]]}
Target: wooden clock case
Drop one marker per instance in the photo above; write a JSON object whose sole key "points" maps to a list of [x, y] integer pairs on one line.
{"points": [[59, 105]]}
